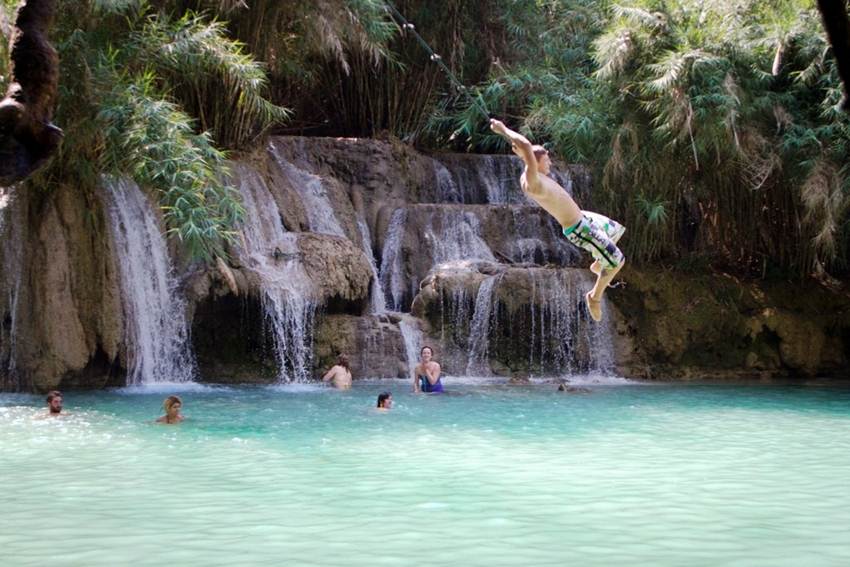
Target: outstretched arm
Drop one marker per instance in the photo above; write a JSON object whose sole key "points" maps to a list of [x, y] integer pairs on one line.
{"points": [[521, 146]]}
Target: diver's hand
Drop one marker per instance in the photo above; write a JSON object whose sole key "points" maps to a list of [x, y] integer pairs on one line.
{"points": [[498, 127]]}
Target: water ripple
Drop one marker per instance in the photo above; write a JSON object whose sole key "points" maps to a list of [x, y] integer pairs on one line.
{"points": [[669, 475]]}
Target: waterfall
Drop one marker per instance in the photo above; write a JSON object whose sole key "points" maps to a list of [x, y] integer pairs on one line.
{"points": [[480, 329], [379, 302], [314, 195], [155, 325], [447, 189], [561, 339], [454, 315], [272, 253], [458, 237], [496, 180], [12, 227], [490, 179], [412, 343], [392, 276]]}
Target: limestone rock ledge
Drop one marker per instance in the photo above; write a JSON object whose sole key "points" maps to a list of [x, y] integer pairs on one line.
{"points": [[69, 326], [687, 326]]}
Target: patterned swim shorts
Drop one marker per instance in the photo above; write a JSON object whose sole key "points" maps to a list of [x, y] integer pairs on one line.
{"points": [[598, 235]]}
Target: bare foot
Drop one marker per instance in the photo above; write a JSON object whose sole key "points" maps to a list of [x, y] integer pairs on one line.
{"points": [[594, 307]]}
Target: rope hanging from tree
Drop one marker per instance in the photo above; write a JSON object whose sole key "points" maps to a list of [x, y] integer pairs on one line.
{"points": [[407, 26]]}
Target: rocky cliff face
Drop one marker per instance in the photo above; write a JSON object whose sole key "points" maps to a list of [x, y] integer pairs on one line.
{"points": [[334, 224], [696, 326], [61, 310]]}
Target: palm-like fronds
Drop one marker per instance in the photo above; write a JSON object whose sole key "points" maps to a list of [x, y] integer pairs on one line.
{"points": [[199, 58], [612, 52], [824, 202], [151, 139]]}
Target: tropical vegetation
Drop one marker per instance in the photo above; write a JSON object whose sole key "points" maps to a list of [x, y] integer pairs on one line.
{"points": [[712, 126]]}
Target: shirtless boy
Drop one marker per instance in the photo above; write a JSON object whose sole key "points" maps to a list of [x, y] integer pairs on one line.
{"points": [[589, 231]]}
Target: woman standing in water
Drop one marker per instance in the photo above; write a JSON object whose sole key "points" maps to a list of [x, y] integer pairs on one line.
{"points": [[426, 375], [172, 406], [340, 374]]}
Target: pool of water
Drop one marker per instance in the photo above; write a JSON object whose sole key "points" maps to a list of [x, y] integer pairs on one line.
{"points": [[492, 475]]}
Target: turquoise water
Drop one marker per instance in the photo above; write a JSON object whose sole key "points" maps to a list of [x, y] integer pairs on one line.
{"points": [[496, 475]]}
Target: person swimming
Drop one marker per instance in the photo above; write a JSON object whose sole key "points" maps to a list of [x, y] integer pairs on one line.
{"points": [[172, 406], [385, 401], [54, 403], [426, 374]]}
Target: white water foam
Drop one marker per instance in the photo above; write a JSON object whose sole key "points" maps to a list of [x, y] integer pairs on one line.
{"points": [[378, 302], [392, 277], [455, 234], [314, 196], [412, 342], [156, 334], [287, 292], [480, 329]]}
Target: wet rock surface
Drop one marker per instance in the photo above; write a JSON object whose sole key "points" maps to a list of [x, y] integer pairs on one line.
{"points": [[494, 286]]}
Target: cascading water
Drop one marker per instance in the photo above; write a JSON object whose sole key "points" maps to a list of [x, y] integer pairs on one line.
{"points": [[528, 246], [314, 195], [498, 177], [457, 236], [480, 329], [454, 315], [392, 276], [155, 325], [412, 342], [447, 189], [379, 302], [272, 253], [562, 340], [12, 228]]}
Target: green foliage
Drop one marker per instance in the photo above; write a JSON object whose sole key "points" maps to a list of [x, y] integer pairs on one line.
{"points": [[152, 96], [152, 139], [713, 126], [211, 74]]}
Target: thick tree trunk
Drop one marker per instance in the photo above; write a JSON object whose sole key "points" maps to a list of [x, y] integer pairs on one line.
{"points": [[834, 15], [27, 137]]}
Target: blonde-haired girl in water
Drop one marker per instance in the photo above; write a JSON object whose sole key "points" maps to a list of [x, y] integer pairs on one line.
{"points": [[426, 374], [172, 406]]}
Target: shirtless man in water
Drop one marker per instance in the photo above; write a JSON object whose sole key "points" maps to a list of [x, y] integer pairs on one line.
{"points": [[54, 403], [589, 231]]}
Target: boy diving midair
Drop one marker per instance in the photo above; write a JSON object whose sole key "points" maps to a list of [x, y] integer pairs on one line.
{"points": [[590, 231]]}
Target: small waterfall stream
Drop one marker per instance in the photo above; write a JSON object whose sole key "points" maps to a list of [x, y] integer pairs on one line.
{"points": [[314, 196], [287, 296], [560, 337], [456, 236], [155, 330], [412, 343], [392, 269], [479, 333], [378, 302], [447, 189]]}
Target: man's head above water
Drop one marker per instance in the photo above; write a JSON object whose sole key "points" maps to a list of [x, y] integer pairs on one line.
{"points": [[54, 402]]}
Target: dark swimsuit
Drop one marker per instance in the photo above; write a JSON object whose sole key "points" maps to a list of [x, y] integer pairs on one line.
{"points": [[429, 388]]}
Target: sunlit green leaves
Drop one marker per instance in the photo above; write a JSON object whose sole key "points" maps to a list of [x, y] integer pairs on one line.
{"points": [[151, 139]]}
